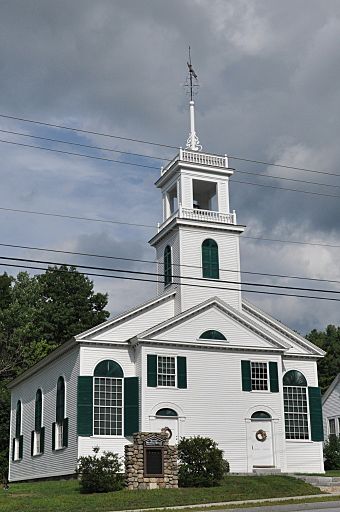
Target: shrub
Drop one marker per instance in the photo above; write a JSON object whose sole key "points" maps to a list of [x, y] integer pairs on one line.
{"points": [[100, 474], [201, 463], [331, 451]]}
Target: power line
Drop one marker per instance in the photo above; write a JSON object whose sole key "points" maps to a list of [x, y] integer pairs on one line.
{"points": [[76, 154], [283, 166], [51, 125], [91, 219], [59, 251], [191, 278], [156, 168], [70, 128], [178, 284], [101, 148]]}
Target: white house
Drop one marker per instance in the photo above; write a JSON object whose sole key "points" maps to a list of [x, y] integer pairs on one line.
{"points": [[331, 408], [197, 358]]}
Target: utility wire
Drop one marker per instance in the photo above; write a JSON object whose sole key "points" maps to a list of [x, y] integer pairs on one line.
{"points": [[76, 154], [191, 278], [63, 127], [91, 219], [156, 168], [135, 260], [101, 148], [178, 284], [51, 125]]}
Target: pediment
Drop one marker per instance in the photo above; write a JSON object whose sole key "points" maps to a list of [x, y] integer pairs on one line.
{"points": [[214, 314]]}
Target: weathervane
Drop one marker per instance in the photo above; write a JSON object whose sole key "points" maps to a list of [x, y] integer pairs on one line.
{"points": [[192, 83]]}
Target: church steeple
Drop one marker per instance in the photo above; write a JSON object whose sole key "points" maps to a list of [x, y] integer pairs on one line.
{"points": [[199, 235], [193, 142]]}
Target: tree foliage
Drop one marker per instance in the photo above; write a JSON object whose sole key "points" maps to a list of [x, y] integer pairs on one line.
{"points": [[37, 314], [331, 452], [329, 341]]}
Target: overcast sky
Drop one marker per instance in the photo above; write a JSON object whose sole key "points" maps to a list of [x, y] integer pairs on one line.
{"points": [[269, 74]]}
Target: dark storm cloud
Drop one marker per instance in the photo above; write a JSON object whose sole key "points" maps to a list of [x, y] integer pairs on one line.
{"points": [[269, 90]]}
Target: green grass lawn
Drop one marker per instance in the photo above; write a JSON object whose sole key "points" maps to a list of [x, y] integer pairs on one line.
{"points": [[64, 496], [333, 472]]}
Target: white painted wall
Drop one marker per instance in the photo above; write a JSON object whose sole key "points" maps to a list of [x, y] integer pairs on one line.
{"points": [[331, 409], [58, 462]]}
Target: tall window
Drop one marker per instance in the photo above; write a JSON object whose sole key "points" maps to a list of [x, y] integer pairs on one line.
{"points": [[259, 376], [210, 264], [18, 439], [167, 266], [108, 399], [60, 427], [37, 434], [295, 405], [166, 371]]}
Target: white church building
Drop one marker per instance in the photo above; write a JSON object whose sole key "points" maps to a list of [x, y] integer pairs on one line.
{"points": [[197, 358]]}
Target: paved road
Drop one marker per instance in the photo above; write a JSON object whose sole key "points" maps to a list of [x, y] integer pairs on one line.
{"points": [[326, 506]]}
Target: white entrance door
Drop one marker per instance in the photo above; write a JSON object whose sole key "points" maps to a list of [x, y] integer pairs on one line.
{"points": [[262, 443], [170, 422]]}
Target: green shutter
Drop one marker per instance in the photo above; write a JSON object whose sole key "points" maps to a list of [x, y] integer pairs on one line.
{"points": [[210, 265], [18, 419], [60, 402], [38, 411], [182, 372], [315, 412], [32, 443], [246, 375], [131, 406], [13, 448], [42, 439], [85, 406], [152, 370], [274, 377], [21, 446], [65, 432], [53, 436]]}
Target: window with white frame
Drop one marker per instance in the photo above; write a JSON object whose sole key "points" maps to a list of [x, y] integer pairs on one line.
{"points": [[295, 405], [166, 371], [108, 406], [259, 376], [331, 427]]}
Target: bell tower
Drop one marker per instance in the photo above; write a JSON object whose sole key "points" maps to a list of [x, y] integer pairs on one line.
{"points": [[197, 244]]}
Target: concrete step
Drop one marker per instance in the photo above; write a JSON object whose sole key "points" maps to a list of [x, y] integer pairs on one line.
{"points": [[267, 471]]}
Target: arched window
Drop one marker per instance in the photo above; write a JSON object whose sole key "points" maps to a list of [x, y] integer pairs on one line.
{"points": [[167, 412], [108, 399], [260, 415], [167, 266], [295, 405], [210, 264], [17, 447], [38, 410], [60, 427], [213, 335], [18, 419], [37, 439]]}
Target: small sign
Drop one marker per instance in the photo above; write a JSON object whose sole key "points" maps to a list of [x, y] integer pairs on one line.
{"points": [[153, 461]]}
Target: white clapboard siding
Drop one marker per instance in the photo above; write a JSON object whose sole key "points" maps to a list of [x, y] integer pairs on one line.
{"points": [[331, 409], [90, 356], [191, 240], [173, 241], [137, 323], [304, 456], [50, 463], [214, 404], [308, 368], [213, 318]]}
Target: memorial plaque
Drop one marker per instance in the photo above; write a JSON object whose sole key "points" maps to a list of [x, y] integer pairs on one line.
{"points": [[153, 461]]}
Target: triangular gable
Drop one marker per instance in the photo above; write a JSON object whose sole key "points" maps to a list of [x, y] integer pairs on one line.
{"points": [[297, 344], [330, 389], [124, 326], [217, 315]]}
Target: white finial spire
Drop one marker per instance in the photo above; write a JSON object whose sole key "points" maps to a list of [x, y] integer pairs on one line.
{"points": [[193, 142]]}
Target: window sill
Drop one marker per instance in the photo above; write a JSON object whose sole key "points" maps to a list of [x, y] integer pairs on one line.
{"points": [[17, 460], [304, 441], [107, 436], [37, 455], [59, 449]]}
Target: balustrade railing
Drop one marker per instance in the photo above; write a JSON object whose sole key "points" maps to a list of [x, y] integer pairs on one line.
{"points": [[203, 215], [198, 158]]}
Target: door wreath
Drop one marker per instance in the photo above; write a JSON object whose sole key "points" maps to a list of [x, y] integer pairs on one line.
{"points": [[261, 435]]}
